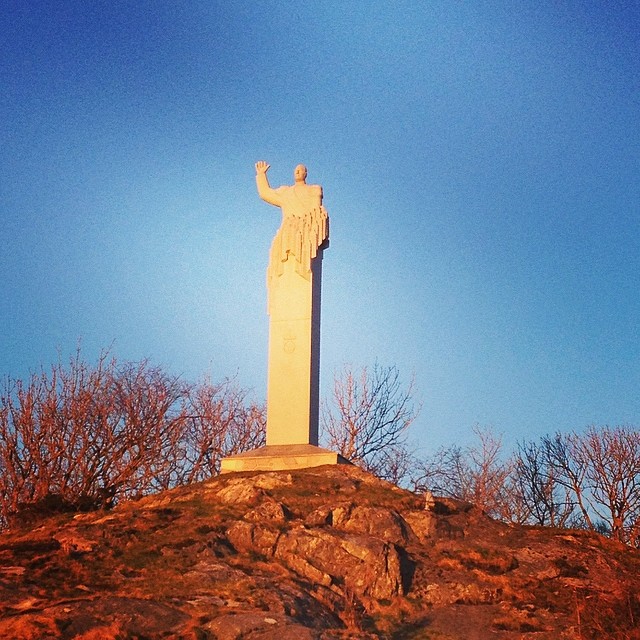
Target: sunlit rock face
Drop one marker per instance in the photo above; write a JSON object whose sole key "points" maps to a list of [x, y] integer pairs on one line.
{"points": [[324, 553]]}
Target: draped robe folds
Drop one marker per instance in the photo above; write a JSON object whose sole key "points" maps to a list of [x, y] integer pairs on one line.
{"points": [[304, 229]]}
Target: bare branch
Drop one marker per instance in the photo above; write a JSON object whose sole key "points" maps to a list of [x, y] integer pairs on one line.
{"points": [[368, 419]]}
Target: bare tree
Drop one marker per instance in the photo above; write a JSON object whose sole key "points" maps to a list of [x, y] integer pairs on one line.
{"points": [[489, 472], [612, 478], [477, 474], [597, 472], [444, 473], [46, 431], [221, 422], [143, 453], [398, 464], [88, 436], [84, 436], [568, 463], [545, 500], [368, 419], [589, 480]]}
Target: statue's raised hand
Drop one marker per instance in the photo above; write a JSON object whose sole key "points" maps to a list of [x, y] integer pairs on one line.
{"points": [[262, 166]]}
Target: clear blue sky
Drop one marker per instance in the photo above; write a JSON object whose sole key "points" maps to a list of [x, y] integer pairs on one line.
{"points": [[480, 164]]}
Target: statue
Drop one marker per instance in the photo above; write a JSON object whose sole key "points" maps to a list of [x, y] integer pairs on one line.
{"points": [[294, 277], [305, 223]]}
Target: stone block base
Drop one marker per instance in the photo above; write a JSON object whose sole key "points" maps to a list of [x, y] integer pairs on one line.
{"points": [[281, 458]]}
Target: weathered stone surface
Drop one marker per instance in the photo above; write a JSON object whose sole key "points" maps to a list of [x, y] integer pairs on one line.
{"points": [[248, 536], [269, 511], [71, 542], [367, 566], [239, 491], [110, 618], [385, 524], [320, 517], [256, 626], [324, 554], [290, 632], [273, 480], [422, 523]]}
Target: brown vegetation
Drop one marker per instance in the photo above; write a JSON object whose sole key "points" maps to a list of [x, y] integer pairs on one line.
{"points": [[587, 480], [84, 437], [367, 420]]}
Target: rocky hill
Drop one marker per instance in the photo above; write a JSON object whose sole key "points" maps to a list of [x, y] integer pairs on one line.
{"points": [[325, 553]]}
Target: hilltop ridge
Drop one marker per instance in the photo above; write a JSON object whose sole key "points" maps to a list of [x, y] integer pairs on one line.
{"points": [[318, 554]]}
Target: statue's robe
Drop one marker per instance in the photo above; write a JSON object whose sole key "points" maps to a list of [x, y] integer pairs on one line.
{"points": [[304, 229]]}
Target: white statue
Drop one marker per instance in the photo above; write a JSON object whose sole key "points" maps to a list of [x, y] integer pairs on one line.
{"points": [[294, 282], [305, 224]]}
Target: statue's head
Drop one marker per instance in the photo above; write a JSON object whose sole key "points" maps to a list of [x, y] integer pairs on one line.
{"points": [[300, 173]]}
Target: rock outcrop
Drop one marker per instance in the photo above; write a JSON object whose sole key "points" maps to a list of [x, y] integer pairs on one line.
{"points": [[319, 554]]}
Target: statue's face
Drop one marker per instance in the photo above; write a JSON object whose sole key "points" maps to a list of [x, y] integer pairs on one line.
{"points": [[300, 173]]}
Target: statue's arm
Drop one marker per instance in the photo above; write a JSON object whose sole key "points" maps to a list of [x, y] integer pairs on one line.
{"points": [[262, 182]]}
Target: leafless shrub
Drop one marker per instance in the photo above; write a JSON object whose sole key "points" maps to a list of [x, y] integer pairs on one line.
{"points": [[610, 461], [220, 423], [368, 418], [569, 466], [544, 498], [476, 474], [84, 437], [142, 450], [589, 480], [89, 435]]}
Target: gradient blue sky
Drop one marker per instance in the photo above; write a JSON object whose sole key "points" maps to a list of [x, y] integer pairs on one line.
{"points": [[480, 164]]}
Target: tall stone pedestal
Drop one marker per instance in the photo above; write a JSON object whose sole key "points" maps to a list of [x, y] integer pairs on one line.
{"points": [[294, 378], [294, 356]]}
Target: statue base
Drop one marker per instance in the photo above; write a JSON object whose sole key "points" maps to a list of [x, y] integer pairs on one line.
{"points": [[281, 458]]}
